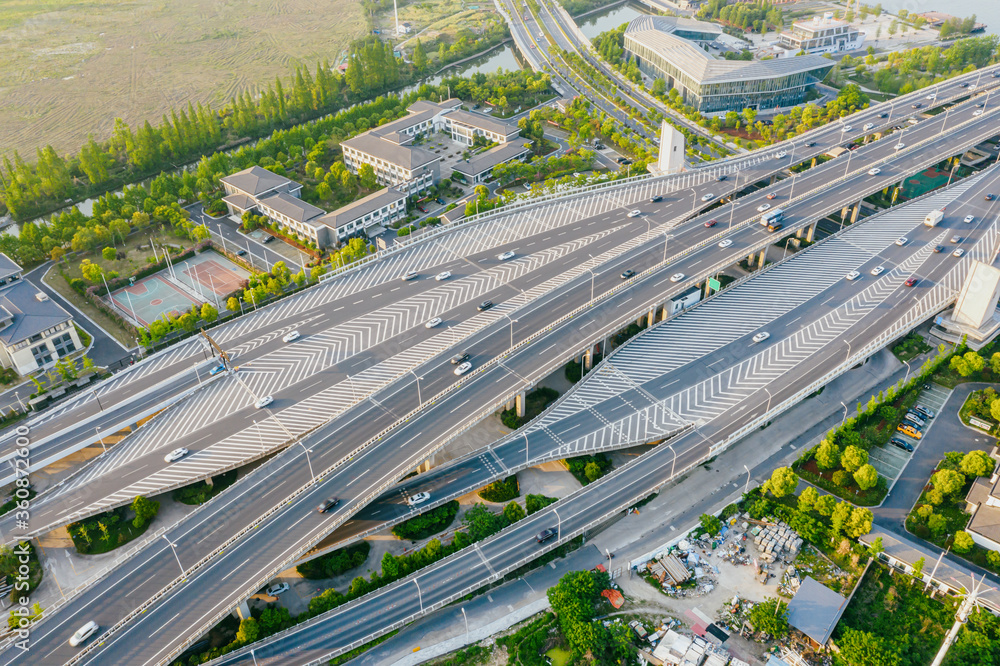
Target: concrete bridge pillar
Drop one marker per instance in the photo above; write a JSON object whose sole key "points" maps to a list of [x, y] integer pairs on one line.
{"points": [[640, 321], [813, 164], [651, 319], [843, 213], [708, 289], [799, 232], [208, 481], [426, 467], [509, 406], [763, 258], [520, 404], [242, 611], [665, 312], [750, 260], [811, 233], [588, 359], [857, 211]]}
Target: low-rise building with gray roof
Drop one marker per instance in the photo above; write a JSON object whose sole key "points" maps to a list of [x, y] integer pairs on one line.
{"points": [[480, 167], [370, 216]]}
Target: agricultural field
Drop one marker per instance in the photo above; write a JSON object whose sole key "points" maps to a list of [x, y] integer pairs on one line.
{"points": [[70, 67]]}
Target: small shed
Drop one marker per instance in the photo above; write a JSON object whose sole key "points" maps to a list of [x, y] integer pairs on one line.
{"points": [[815, 610]]}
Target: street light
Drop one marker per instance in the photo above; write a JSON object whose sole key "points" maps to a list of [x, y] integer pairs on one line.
{"points": [[785, 251], [308, 461], [420, 597], [254, 658], [512, 322], [843, 420], [466, 624], [526, 459], [746, 486], [419, 399], [97, 430], [173, 547], [354, 392], [907, 376], [558, 525]]}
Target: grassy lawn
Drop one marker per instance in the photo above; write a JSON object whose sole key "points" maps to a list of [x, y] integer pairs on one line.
{"points": [[106, 531], [978, 405], [910, 347]]}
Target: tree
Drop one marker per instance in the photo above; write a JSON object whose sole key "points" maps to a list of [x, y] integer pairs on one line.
{"points": [[866, 477], [109, 253], [825, 505], [841, 514], [977, 463], [827, 455], [390, 566], [937, 524], [592, 471], [876, 548], [859, 524], [367, 176], [419, 56], [842, 478], [948, 481], [208, 312], [233, 304], [995, 363], [249, 631], [91, 272], [961, 366], [145, 511], [513, 512], [860, 648], [963, 543], [771, 616], [481, 522], [807, 498], [710, 524], [783, 482], [975, 361], [854, 458]]}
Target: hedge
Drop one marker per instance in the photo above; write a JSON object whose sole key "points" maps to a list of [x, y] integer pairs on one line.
{"points": [[424, 525]]}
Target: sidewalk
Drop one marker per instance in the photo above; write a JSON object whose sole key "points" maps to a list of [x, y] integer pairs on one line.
{"points": [[706, 489]]}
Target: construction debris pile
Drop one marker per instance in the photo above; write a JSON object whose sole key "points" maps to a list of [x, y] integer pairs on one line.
{"points": [[678, 650], [774, 539]]}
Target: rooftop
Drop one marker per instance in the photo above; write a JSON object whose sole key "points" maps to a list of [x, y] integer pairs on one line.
{"points": [[257, 180], [815, 610], [405, 156], [420, 111], [491, 158], [483, 122], [31, 316], [295, 209], [8, 266], [361, 207], [656, 32]]}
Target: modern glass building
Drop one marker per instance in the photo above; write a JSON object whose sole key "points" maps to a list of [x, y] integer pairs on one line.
{"points": [[668, 48]]}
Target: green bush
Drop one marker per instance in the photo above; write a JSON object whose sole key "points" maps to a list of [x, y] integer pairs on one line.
{"points": [[503, 490], [426, 524], [335, 563], [842, 478], [578, 466], [201, 492], [535, 503]]}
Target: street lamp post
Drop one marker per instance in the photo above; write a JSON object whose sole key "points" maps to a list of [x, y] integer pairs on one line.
{"points": [[785, 251], [254, 658], [97, 430], [95, 398], [173, 547], [308, 461], [354, 392], [420, 597], [843, 420], [746, 486], [512, 322], [732, 209], [466, 624], [558, 525], [907, 375], [526, 459], [419, 399], [260, 436]]}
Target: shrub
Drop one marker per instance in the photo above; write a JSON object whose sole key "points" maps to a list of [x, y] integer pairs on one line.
{"points": [[503, 490], [842, 478], [535, 503], [578, 466], [426, 524], [335, 563], [963, 542]]}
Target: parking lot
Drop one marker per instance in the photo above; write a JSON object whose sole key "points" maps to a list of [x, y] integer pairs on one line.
{"points": [[889, 460]]}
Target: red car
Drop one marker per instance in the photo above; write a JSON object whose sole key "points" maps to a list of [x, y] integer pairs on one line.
{"points": [[771, 195], [911, 282], [711, 223]]}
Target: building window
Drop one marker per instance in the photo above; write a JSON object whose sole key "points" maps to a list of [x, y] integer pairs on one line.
{"points": [[64, 345], [42, 354]]}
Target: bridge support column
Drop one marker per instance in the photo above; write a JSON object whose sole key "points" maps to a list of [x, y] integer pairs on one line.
{"points": [[588, 359], [843, 213], [242, 611], [520, 404], [510, 405], [640, 321], [857, 211], [708, 289], [750, 261], [762, 259], [208, 482], [665, 312], [651, 319], [799, 232], [813, 164], [426, 467], [811, 232]]}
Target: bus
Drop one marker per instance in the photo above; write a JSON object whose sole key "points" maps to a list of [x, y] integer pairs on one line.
{"points": [[772, 216]]}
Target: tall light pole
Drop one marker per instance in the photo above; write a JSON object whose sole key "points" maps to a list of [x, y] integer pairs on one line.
{"points": [[785, 251], [354, 393], [558, 525], [732, 210], [843, 420], [466, 624], [419, 399], [512, 322], [97, 430], [308, 461], [420, 597], [173, 547]]}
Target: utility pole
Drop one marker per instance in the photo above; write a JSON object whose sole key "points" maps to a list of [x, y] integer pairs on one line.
{"points": [[222, 352]]}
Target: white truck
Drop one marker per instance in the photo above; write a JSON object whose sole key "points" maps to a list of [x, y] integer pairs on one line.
{"points": [[933, 218]]}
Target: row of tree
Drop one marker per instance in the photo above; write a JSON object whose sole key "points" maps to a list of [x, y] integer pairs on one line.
{"points": [[759, 16]]}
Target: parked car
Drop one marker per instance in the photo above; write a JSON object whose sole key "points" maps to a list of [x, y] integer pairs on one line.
{"points": [[275, 590], [440, 200], [897, 442], [928, 413]]}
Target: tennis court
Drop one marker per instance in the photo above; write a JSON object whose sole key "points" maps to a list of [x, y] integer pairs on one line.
{"points": [[151, 297], [209, 273]]}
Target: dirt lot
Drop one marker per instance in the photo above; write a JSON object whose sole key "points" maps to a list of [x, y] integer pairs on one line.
{"points": [[70, 68]]}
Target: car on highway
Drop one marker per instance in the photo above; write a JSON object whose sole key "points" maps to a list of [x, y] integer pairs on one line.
{"points": [[484, 306], [326, 505], [977, 112], [419, 498], [626, 274], [442, 276], [175, 455], [916, 105], [874, 171], [883, 115], [868, 126], [931, 96], [955, 239], [722, 178], [546, 534], [677, 277], [900, 146], [460, 358], [217, 369], [760, 337], [903, 240], [509, 254], [711, 223], [431, 323], [878, 270], [656, 199], [635, 213], [411, 275], [708, 197], [241, 253], [853, 275], [989, 197], [781, 155], [290, 336], [275, 590], [772, 195], [726, 242], [264, 402], [939, 249], [83, 633], [897, 442], [910, 282], [958, 253], [969, 219], [764, 206]]}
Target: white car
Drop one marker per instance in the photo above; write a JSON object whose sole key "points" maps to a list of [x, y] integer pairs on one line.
{"points": [[846, 128], [708, 197], [969, 219], [419, 498], [677, 277], [288, 337], [412, 275], [442, 276], [635, 213], [902, 241], [509, 254], [958, 253], [275, 590], [264, 402], [900, 145], [431, 323], [83, 633], [878, 270], [874, 171], [463, 368], [853, 275], [868, 126], [781, 155], [760, 337], [764, 206], [931, 96], [726, 243], [977, 112], [176, 454]]}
